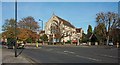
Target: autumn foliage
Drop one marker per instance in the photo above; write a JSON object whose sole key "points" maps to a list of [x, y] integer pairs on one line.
{"points": [[26, 29]]}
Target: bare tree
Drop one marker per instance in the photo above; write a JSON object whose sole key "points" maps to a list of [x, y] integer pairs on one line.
{"points": [[110, 20], [29, 23]]}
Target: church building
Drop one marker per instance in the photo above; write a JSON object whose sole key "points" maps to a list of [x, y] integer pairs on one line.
{"points": [[60, 30]]}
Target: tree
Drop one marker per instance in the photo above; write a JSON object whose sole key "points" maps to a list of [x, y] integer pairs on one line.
{"points": [[28, 26], [23, 34], [9, 24], [57, 29], [28, 23], [100, 32], [9, 28], [109, 19], [84, 37], [115, 35], [24, 30], [89, 31], [44, 37], [26, 34]]}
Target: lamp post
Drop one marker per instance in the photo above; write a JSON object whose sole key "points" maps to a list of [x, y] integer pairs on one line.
{"points": [[42, 23], [15, 29], [42, 29]]}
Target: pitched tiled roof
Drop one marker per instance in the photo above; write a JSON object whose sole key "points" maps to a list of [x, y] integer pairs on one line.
{"points": [[65, 22]]}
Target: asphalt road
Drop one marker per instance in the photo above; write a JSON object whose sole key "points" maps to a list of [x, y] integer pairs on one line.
{"points": [[72, 54]]}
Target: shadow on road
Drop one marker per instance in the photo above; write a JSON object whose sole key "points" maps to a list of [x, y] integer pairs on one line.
{"points": [[21, 50]]}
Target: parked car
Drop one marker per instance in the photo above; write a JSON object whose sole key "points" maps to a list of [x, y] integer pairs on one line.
{"points": [[110, 44], [10, 43], [19, 46], [10, 46], [3, 43]]}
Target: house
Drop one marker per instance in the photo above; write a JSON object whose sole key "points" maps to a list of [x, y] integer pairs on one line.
{"points": [[60, 30], [93, 39]]}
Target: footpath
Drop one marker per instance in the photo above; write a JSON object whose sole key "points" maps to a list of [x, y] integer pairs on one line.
{"points": [[8, 57]]}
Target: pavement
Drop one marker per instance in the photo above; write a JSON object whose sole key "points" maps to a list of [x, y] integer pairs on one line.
{"points": [[8, 56]]}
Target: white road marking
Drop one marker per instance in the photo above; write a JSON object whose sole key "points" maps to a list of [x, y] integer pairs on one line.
{"points": [[72, 52], [69, 52], [62, 53], [88, 58], [82, 56], [110, 56], [65, 51]]}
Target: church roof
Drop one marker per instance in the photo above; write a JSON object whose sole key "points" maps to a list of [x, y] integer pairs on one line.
{"points": [[65, 22]]}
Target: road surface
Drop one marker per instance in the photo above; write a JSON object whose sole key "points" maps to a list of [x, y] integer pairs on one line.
{"points": [[72, 54]]}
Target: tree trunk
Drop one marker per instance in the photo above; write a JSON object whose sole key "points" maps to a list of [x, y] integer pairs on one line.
{"points": [[108, 33], [107, 40], [70, 40], [53, 39], [78, 43]]}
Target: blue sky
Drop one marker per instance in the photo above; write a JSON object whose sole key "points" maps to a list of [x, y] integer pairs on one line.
{"points": [[80, 14], [61, 0], [0, 15]]}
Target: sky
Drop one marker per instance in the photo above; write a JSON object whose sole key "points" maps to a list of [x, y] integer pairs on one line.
{"points": [[79, 14], [61, 0], [0, 15]]}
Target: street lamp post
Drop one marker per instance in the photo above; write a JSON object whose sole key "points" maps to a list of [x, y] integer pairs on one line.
{"points": [[42, 23], [15, 29], [42, 29]]}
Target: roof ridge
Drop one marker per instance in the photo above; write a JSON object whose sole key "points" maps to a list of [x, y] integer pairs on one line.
{"points": [[69, 24]]}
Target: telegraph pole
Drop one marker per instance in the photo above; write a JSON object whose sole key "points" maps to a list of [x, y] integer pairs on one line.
{"points": [[15, 28]]}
